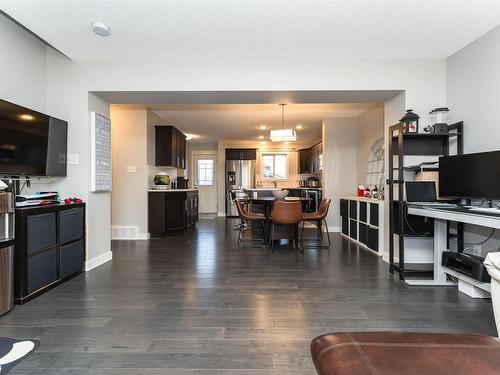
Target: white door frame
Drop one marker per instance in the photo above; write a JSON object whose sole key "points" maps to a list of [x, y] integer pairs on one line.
{"points": [[192, 165]]}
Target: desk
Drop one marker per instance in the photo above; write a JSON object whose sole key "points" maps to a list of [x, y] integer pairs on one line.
{"points": [[467, 285]]}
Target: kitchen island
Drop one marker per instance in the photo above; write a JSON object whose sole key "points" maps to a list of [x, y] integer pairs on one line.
{"points": [[171, 210]]}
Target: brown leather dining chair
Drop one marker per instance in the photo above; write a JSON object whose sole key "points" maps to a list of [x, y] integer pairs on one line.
{"points": [[247, 216], [288, 215], [319, 217]]}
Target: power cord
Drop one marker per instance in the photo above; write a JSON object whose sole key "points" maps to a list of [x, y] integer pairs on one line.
{"points": [[410, 227]]}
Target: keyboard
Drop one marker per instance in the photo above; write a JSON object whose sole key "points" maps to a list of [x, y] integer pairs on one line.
{"points": [[434, 204]]}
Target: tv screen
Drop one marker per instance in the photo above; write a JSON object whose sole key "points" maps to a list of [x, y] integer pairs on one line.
{"points": [[31, 143], [470, 176]]}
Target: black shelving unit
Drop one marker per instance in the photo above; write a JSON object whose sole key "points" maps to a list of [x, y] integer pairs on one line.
{"points": [[417, 144]]}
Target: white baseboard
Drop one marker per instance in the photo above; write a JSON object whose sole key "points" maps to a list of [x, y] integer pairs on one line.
{"points": [[97, 261], [334, 230], [140, 236], [221, 214]]}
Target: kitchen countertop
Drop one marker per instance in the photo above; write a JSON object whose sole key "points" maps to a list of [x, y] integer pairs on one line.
{"points": [[169, 190]]}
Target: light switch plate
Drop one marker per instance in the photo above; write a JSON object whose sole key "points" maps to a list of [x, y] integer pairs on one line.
{"points": [[131, 168], [73, 159]]}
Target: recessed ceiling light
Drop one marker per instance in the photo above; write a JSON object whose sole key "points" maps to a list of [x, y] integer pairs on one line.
{"points": [[299, 127], [189, 136], [262, 142], [262, 127], [261, 137], [26, 117], [100, 29]]}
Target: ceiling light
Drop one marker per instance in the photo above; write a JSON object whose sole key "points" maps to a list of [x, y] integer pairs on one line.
{"points": [[189, 136], [262, 127], [283, 135], [261, 137], [26, 117], [299, 127], [100, 29]]}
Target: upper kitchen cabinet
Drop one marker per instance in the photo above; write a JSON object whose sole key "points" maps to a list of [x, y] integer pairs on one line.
{"points": [[305, 160], [310, 159], [241, 154], [170, 147]]}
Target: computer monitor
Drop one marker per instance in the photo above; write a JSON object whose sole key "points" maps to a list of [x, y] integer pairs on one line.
{"points": [[420, 191], [470, 175]]}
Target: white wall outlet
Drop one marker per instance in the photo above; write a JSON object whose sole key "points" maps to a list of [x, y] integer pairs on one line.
{"points": [[131, 168], [73, 159]]}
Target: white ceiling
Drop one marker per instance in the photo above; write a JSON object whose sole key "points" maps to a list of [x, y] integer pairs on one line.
{"points": [[211, 122], [261, 29]]}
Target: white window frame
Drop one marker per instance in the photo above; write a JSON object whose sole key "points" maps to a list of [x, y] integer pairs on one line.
{"points": [[198, 173], [273, 154]]}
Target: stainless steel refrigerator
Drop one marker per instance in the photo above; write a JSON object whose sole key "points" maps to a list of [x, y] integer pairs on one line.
{"points": [[240, 175]]}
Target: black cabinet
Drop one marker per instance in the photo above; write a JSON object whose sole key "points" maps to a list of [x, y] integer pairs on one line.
{"points": [[353, 210], [241, 154], [362, 233], [374, 214], [372, 238], [49, 248], [170, 147], [345, 225], [363, 209], [310, 159], [344, 208], [171, 211], [305, 161], [353, 229]]}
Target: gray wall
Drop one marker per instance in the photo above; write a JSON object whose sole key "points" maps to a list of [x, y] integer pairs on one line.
{"points": [[473, 90]]}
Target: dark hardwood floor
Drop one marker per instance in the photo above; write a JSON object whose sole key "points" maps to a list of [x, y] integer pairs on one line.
{"points": [[194, 303]]}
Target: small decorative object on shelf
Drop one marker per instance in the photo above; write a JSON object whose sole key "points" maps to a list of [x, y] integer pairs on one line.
{"points": [[367, 192], [439, 127], [361, 191], [72, 200], [410, 121]]}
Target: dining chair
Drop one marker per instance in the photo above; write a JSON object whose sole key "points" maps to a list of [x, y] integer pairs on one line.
{"points": [[247, 216], [319, 217], [286, 213]]}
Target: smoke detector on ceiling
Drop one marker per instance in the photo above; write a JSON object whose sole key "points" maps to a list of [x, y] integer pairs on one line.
{"points": [[100, 29]]}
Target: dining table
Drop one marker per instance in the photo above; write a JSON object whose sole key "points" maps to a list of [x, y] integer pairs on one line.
{"points": [[288, 231]]}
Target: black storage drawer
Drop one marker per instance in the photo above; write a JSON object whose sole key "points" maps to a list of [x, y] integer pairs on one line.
{"points": [[71, 258], [345, 225], [353, 210], [42, 269], [363, 208], [41, 231], [353, 229], [372, 238], [70, 225], [374, 214], [344, 208], [362, 233]]}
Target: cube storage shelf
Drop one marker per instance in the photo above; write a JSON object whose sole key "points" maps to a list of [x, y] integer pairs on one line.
{"points": [[363, 222]]}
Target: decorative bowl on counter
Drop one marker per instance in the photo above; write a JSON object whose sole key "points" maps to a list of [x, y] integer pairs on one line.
{"points": [[162, 179], [280, 194]]}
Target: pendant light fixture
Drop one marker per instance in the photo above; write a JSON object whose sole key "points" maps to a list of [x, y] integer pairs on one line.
{"points": [[283, 135]]}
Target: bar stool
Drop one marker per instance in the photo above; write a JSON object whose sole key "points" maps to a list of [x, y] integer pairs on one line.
{"points": [[286, 213], [319, 217], [246, 216]]}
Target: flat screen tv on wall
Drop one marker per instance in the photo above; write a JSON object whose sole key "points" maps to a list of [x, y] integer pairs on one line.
{"points": [[31, 143]]}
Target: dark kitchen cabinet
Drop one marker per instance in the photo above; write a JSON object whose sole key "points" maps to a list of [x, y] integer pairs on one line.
{"points": [[310, 159], [170, 147], [241, 154], [305, 161], [49, 248], [171, 211]]}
